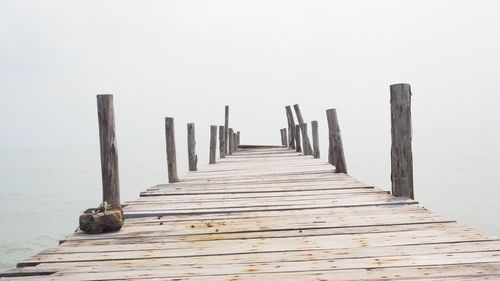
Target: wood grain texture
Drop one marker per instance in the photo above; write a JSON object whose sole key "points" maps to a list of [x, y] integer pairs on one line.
{"points": [[222, 142], [335, 139], [226, 132], [171, 153], [401, 150], [192, 157], [291, 127], [315, 136], [266, 213], [109, 150], [213, 144]]}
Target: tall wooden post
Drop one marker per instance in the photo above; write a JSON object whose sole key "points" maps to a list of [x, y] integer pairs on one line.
{"points": [[109, 150], [305, 145], [226, 131], [213, 144], [230, 141], [238, 139], [305, 138], [401, 150], [296, 132], [291, 127], [192, 157], [314, 126], [171, 155], [336, 147], [222, 142]]}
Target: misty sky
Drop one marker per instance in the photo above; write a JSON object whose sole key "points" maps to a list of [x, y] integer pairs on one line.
{"points": [[187, 59]]}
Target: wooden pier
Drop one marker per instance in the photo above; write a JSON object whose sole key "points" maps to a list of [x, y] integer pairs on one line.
{"points": [[270, 213]]}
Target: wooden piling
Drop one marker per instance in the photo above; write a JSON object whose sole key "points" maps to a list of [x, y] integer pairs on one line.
{"points": [[226, 130], [171, 155], [291, 127], [238, 139], [283, 140], [401, 149], [314, 127], [192, 157], [335, 140], [306, 147], [222, 142], [109, 150], [296, 132], [230, 141], [213, 144]]}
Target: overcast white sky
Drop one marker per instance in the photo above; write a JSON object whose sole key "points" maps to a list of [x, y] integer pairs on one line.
{"points": [[188, 58]]}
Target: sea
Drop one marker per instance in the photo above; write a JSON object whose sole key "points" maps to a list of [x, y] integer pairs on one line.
{"points": [[43, 191]]}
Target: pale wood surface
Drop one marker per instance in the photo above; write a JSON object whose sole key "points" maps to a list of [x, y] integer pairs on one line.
{"points": [[269, 213]]}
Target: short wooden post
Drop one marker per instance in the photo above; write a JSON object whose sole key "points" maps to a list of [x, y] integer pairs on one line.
{"points": [[285, 138], [291, 127], [305, 145], [335, 139], [401, 150], [171, 155], [226, 130], [235, 142], [192, 157], [213, 144], [222, 142], [283, 143], [296, 132], [230, 141], [238, 139], [109, 150], [314, 126]]}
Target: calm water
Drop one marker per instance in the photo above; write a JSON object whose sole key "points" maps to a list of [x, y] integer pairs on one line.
{"points": [[42, 192]]}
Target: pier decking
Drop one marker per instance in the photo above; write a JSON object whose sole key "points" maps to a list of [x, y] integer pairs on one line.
{"points": [[269, 213]]}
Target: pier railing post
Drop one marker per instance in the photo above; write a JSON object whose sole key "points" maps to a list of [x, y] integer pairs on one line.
{"points": [[171, 155], [213, 144], [226, 131], [231, 141], [401, 150], [238, 139], [109, 150], [314, 127], [222, 142], [306, 147], [291, 127], [192, 157], [336, 148], [296, 132]]}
